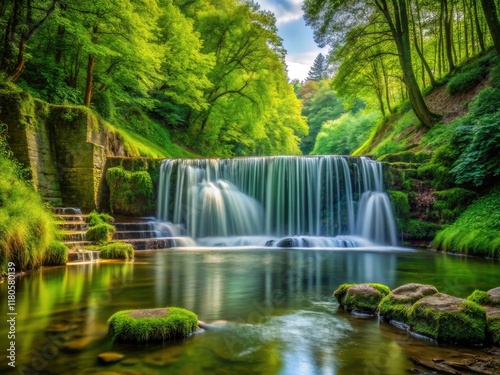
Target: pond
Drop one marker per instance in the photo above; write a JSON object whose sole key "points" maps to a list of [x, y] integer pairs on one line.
{"points": [[279, 302]]}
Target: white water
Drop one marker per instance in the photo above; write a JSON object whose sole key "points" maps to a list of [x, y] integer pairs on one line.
{"points": [[321, 201]]}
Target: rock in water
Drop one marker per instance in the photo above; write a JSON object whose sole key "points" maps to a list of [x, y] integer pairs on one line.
{"points": [[448, 319], [361, 298]]}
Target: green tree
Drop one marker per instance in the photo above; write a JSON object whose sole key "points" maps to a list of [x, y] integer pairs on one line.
{"points": [[333, 19], [319, 69]]}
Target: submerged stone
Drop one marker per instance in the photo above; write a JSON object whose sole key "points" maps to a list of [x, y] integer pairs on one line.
{"points": [[361, 298], [396, 305], [448, 319], [286, 242], [150, 325], [110, 357]]}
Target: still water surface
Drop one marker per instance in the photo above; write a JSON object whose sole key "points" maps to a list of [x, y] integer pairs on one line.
{"points": [[279, 300]]}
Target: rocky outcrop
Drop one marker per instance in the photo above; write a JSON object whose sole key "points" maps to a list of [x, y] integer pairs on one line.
{"points": [[361, 298]]}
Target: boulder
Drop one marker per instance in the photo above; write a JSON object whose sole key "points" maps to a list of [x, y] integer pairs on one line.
{"points": [[448, 319], [490, 300], [361, 298], [396, 305]]}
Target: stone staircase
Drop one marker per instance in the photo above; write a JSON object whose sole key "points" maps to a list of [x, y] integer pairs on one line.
{"points": [[141, 233]]}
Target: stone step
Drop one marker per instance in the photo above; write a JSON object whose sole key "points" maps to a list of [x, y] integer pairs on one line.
{"points": [[73, 217], [73, 226], [73, 236], [78, 244], [125, 235], [134, 227], [83, 256], [66, 211], [159, 243]]}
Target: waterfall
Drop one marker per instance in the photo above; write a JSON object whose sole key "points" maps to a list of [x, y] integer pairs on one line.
{"points": [[323, 201]]}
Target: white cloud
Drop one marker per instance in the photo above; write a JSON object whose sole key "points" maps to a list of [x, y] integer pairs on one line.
{"points": [[284, 10], [297, 70]]}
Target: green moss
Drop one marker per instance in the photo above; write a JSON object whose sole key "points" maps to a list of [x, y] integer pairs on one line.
{"points": [[56, 254], [100, 233], [480, 297], [392, 309], [406, 157], [176, 323], [131, 192], [361, 297], [116, 250], [400, 205], [466, 325], [493, 331]]}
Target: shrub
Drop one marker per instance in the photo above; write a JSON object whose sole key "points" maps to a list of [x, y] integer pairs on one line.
{"points": [[143, 326], [399, 202], [116, 250], [56, 254], [100, 233], [131, 192], [465, 81], [96, 218]]}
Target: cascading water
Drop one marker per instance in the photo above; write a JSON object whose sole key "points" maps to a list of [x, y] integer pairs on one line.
{"points": [[320, 201]]}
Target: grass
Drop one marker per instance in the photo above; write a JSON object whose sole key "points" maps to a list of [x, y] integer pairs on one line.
{"points": [[176, 323], [26, 229], [476, 231], [96, 218], [56, 254], [116, 250]]}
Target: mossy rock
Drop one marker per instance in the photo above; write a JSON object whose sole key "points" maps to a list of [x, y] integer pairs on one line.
{"points": [[406, 157], [491, 302], [396, 305], [152, 325], [449, 319], [361, 298]]}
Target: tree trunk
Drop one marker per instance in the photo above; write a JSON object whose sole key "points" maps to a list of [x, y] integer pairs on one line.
{"points": [[89, 86], [466, 30], [386, 82], [19, 67], [400, 32], [479, 31], [448, 16], [490, 12], [420, 51]]}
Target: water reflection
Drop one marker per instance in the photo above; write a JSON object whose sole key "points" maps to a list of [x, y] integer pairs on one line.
{"points": [[281, 299]]}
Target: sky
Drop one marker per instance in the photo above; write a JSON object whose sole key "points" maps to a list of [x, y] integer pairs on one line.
{"points": [[297, 37]]}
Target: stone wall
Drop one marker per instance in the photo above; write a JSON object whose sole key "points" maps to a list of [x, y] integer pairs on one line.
{"points": [[64, 147]]}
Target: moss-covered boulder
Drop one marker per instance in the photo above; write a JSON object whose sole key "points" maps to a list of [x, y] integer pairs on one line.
{"points": [[116, 250], [449, 319], [490, 300], [152, 325], [361, 298], [397, 304]]}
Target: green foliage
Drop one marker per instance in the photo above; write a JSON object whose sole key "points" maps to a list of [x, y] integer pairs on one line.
{"points": [[438, 169], [96, 218], [465, 81], [26, 230], [116, 250], [177, 322], [101, 233], [399, 201], [344, 135], [415, 229], [478, 139], [451, 203], [131, 192], [56, 254], [406, 157], [471, 235]]}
